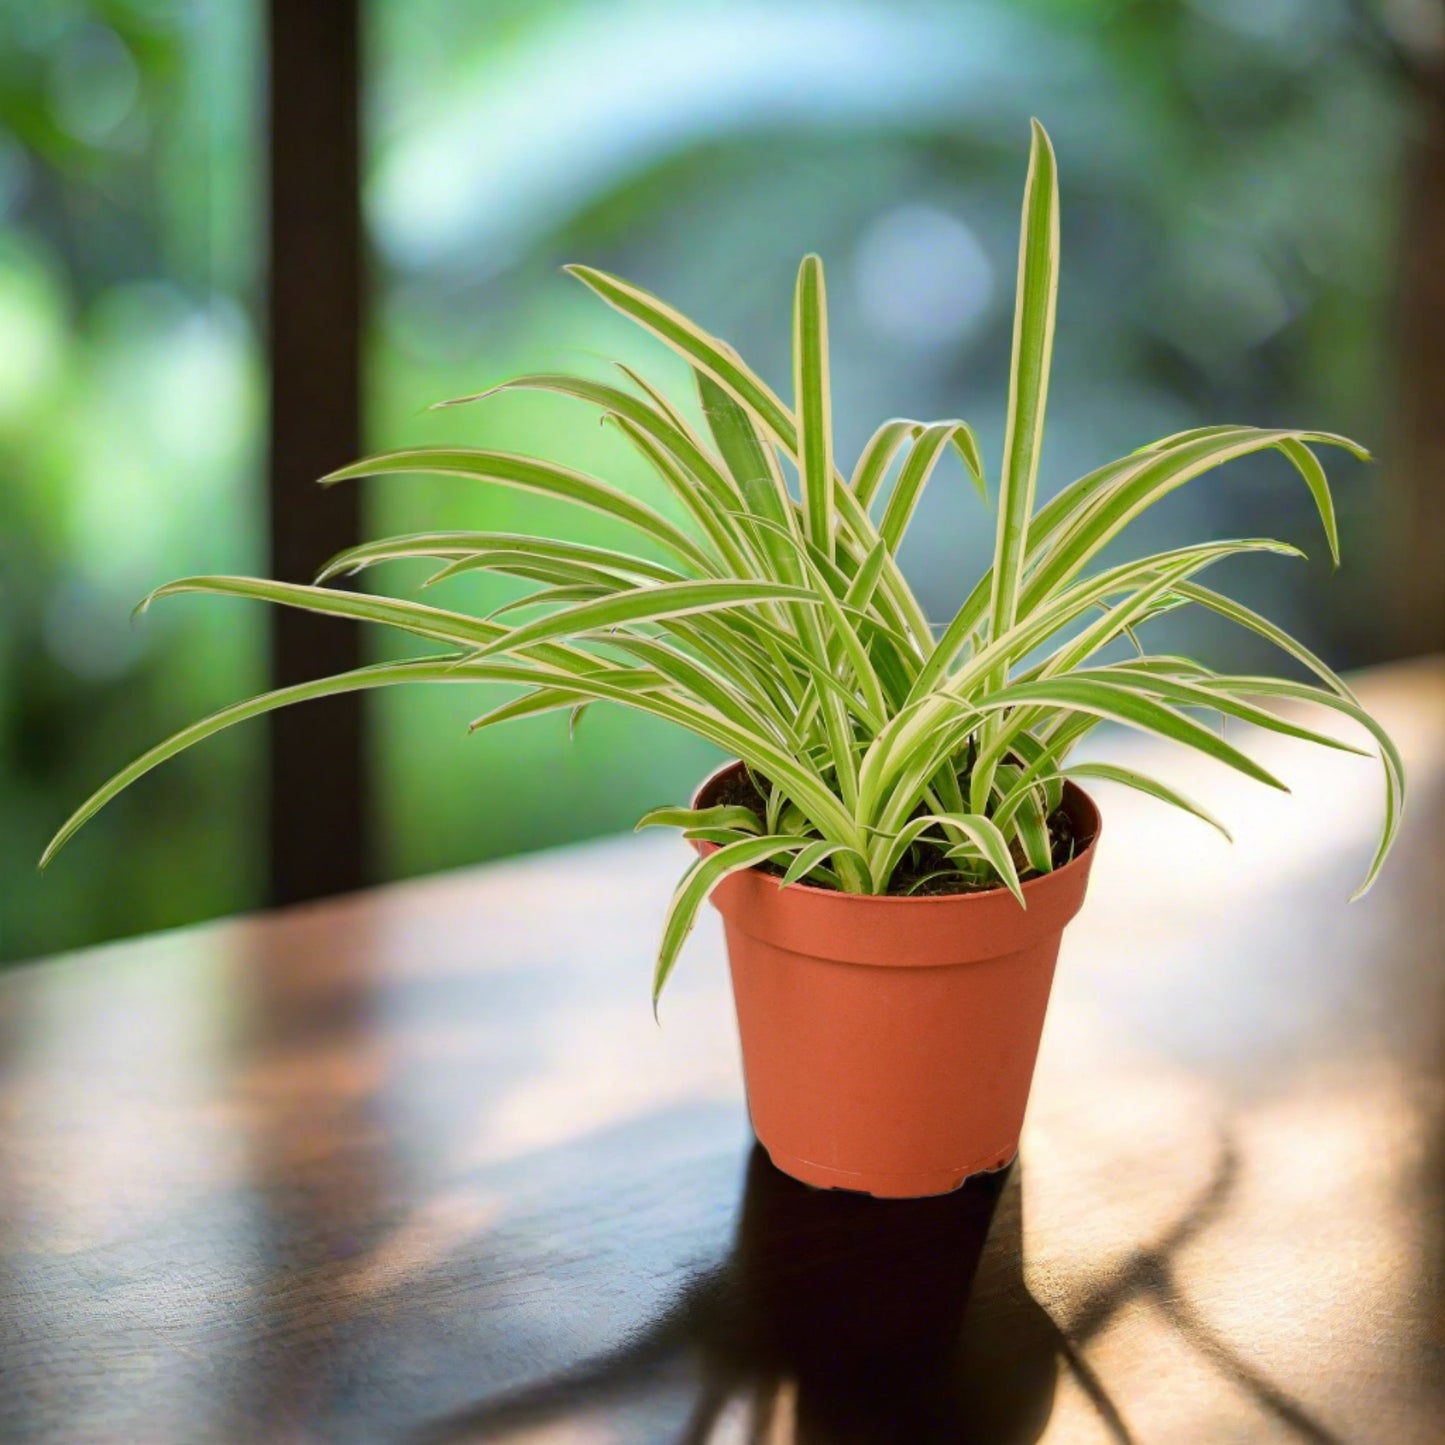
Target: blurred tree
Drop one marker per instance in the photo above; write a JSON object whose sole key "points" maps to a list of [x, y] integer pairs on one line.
{"points": [[128, 404], [1413, 34]]}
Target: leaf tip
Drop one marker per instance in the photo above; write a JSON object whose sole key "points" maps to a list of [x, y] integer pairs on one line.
{"points": [[144, 605], [1363, 889]]}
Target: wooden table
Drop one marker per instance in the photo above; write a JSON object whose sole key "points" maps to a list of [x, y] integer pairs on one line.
{"points": [[418, 1165]]}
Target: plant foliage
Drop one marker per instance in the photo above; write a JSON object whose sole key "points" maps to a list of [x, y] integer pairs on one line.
{"points": [[780, 628]]}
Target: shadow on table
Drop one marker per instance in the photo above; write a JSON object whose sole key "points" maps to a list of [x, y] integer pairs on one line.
{"points": [[841, 1318]]}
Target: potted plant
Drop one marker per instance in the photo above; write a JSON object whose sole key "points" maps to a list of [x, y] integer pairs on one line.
{"points": [[902, 839]]}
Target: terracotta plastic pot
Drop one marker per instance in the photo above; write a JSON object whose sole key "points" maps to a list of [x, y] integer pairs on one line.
{"points": [[889, 1043]]}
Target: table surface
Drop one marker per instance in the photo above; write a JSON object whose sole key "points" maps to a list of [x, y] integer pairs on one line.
{"points": [[418, 1165]]}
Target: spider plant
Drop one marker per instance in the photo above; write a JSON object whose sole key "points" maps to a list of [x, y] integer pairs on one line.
{"points": [[777, 624]]}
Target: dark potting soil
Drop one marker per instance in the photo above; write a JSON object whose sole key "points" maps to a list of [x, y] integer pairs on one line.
{"points": [[739, 790]]}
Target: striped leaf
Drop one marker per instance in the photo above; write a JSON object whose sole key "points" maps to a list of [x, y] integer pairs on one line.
{"points": [[431, 669], [697, 883], [922, 458], [741, 819], [1033, 345], [643, 604], [528, 474], [877, 456], [812, 404]]}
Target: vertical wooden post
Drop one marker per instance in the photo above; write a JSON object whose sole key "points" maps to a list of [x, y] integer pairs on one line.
{"points": [[1418, 498], [318, 818]]}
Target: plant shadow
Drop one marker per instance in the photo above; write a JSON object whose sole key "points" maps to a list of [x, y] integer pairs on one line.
{"points": [[838, 1318]]}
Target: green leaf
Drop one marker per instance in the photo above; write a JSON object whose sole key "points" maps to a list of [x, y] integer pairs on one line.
{"points": [[430, 669], [1134, 607], [865, 580], [750, 710], [1125, 702], [653, 416], [1031, 825], [1147, 478], [1073, 513], [690, 341], [877, 456], [814, 407], [663, 406], [697, 883], [707, 509], [965, 442], [533, 704], [813, 857], [1033, 345], [551, 699], [1390, 759], [719, 836], [721, 816], [722, 363], [492, 551], [544, 560], [1066, 605], [845, 635], [750, 460], [644, 604], [984, 835], [1211, 690], [922, 458], [1129, 778], [1238, 612], [528, 474], [550, 597], [1308, 466], [790, 772], [433, 623]]}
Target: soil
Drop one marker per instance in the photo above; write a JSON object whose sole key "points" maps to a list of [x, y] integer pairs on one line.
{"points": [[739, 790]]}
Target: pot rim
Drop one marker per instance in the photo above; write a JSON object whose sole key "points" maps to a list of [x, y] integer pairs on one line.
{"points": [[977, 896]]}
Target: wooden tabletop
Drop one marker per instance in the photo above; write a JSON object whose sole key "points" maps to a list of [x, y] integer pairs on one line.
{"points": [[418, 1165]]}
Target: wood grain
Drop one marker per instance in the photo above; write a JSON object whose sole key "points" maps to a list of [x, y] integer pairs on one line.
{"points": [[417, 1165]]}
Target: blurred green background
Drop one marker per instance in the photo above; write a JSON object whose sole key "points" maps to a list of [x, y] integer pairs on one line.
{"points": [[1232, 174]]}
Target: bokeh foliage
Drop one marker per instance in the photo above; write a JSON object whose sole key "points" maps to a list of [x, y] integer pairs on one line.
{"points": [[129, 417], [1232, 178]]}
